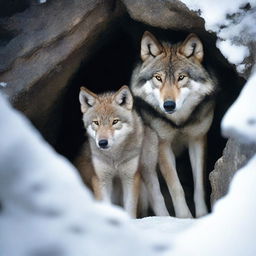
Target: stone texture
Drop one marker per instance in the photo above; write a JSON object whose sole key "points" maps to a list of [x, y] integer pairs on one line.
{"points": [[234, 157], [46, 46], [166, 14]]}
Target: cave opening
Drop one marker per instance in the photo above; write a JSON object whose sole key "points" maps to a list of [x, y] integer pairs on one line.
{"points": [[110, 66]]}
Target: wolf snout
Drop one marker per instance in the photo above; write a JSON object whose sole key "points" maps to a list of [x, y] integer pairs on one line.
{"points": [[169, 106], [103, 143]]}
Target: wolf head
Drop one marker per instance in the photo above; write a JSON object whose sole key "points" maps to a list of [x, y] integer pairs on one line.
{"points": [[172, 76], [107, 117]]}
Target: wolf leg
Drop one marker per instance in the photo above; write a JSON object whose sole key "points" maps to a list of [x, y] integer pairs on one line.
{"points": [[143, 203], [149, 175], [197, 149], [105, 188], [168, 168], [156, 198], [131, 189], [96, 188]]}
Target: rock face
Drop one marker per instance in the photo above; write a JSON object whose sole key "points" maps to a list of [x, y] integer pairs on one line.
{"points": [[235, 156], [43, 47], [167, 14]]}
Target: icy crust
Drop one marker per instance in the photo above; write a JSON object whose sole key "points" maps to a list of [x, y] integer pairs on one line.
{"points": [[46, 210], [233, 22], [240, 120]]}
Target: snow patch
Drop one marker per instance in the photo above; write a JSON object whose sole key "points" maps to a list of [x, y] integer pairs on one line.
{"points": [[232, 23], [170, 226], [240, 119], [234, 53], [3, 84]]}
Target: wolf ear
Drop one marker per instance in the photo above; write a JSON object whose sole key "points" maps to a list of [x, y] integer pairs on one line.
{"points": [[87, 99], [150, 46], [192, 46], [123, 97]]}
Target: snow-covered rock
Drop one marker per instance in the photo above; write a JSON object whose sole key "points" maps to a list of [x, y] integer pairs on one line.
{"points": [[240, 120], [232, 21]]}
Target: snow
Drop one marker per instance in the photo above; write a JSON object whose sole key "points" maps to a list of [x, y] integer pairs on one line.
{"points": [[3, 84], [229, 20], [46, 210], [168, 226], [234, 53], [240, 119]]}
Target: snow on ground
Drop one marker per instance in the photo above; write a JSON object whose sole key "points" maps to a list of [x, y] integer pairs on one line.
{"points": [[46, 210], [232, 21], [168, 226]]}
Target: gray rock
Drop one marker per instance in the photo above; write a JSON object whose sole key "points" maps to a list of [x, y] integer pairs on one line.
{"points": [[166, 14], [235, 156], [45, 46]]}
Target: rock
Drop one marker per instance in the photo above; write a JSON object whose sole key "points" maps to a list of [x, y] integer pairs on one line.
{"points": [[43, 47], [167, 14], [235, 156]]}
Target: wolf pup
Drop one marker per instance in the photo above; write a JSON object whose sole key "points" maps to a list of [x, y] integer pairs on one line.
{"points": [[175, 95], [115, 134]]}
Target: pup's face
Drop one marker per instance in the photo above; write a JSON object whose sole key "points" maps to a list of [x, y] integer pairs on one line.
{"points": [[107, 117]]}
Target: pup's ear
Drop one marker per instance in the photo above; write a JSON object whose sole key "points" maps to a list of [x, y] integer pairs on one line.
{"points": [[150, 46], [87, 99], [192, 47], [123, 97]]}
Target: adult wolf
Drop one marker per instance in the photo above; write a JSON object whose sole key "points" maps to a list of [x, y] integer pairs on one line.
{"points": [[115, 139], [174, 93]]}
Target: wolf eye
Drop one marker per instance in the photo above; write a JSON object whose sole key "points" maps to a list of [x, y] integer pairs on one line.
{"points": [[158, 78], [115, 121], [181, 77], [96, 122]]}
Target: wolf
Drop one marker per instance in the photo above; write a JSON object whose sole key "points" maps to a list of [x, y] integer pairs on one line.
{"points": [[115, 136], [175, 96]]}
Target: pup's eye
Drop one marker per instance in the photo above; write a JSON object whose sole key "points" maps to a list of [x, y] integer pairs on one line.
{"points": [[158, 78], [96, 122], [181, 77], [115, 121]]}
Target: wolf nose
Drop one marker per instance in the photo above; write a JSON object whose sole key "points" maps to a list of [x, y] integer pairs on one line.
{"points": [[169, 106], [103, 143]]}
